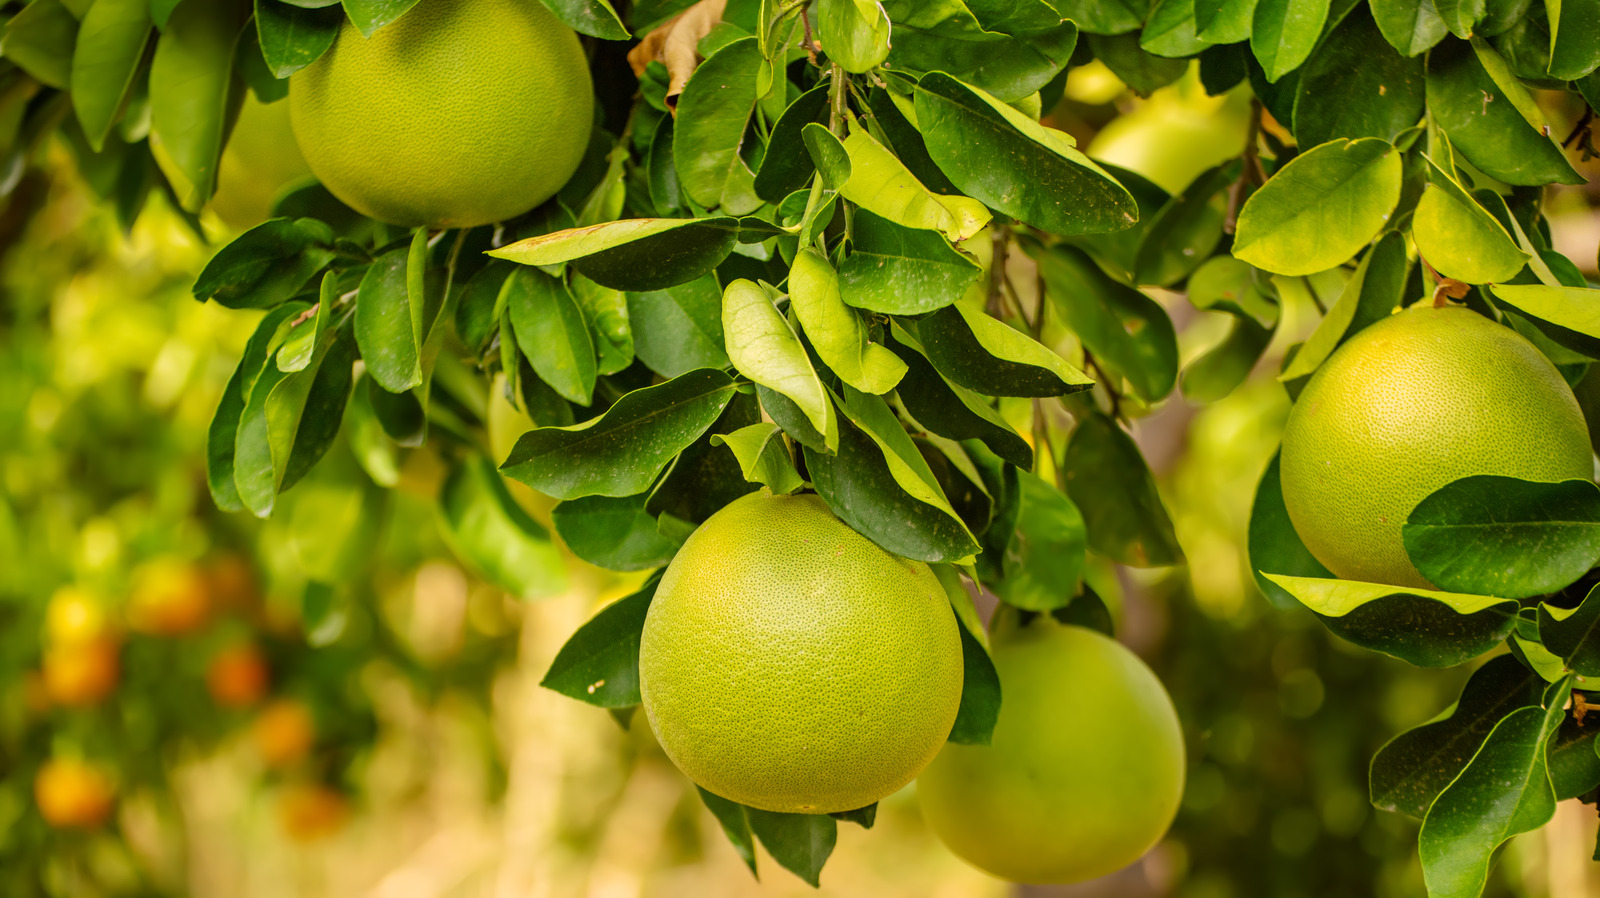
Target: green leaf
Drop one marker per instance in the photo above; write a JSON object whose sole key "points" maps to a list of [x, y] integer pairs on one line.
{"points": [[487, 529], [1128, 332], [1574, 768], [1504, 790], [1013, 164], [764, 348], [953, 411], [370, 15], [1171, 30], [782, 173], [599, 663], [946, 36], [1321, 208], [1460, 15], [1505, 537], [1103, 16], [1106, 476], [325, 403], [613, 532], [1458, 238], [39, 39], [862, 817], [605, 312], [703, 479], [713, 112], [1370, 295], [1411, 770], [1574, 38], [1426, 627], [1225, 284], [637, 254], [1356, 86], [1410, 26], [1485, 126], [901, 271], [735, 821], [1186, 230], [1143, 72], [223, 432], [763, 456], [297, 351], [855, 32], [110, 46], [293, 37], [191, 93], [383, 324], [1572, 311], [1224, 21], [621, 452], [1044, 557], [989, 356], [680, 328], [595, 18], [880, 183], [1573, 634], [1284, 32], [1274, 546], [979, 710], [267, 264], [800, 843], [270, 437], [1223, 367], [836, 330], [552, 333]]}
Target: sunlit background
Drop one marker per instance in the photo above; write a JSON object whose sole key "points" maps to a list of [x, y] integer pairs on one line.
{"points": [[390, 738]]}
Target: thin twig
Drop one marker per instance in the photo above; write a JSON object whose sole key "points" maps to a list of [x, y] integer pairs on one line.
{"points": [[1251, 173], [1579, 128]]}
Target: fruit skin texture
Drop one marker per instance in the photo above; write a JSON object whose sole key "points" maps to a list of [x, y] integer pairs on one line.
{"points": [[460, 113], [790, 664], [1409, 404], [73, 794], [1085, 770]]}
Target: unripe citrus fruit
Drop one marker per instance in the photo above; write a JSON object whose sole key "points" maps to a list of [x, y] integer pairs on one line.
{"points": [[81, 674], [170, 597], [1409, 404], [261, 159], [1085, 769], [237, 676], [790, 664], [460, 113], [73, 794], [74, 617]]}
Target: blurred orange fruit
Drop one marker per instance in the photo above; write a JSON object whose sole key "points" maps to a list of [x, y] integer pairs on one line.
{"points": [[284, 733], [81, 674], [73, 794], [311, 811], [237, 677], [170, 598], [74, 616], [232, 581]]}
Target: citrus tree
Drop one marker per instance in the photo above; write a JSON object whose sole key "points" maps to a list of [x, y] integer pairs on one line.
{"points": [[808, 306]]}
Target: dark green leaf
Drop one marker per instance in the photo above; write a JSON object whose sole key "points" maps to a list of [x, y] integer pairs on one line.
{"points": [[1284, 32], [1505, 537], [1576, 48], [680, 328], [862, 817], [980, 694], [1128, 332], [901, 271], [762, 456], [1142, 71], [704, 478], [191, 94], [488, 530], [39, 39], [324, 407], [1171, 30], [1574, 767], [638, 254], [1410, 26], [1573, 634], [1106, 477], [1414, 767], [221, 437], [1223, 367], [988, 356], [953, 411], [292, 37], [613, 533], [1460, 15], [713, 111], [267, 264], [595, 18], [600, 662], [1044, 558], [1356, 86], [370, 15], [1274, 546], [552, 332], [784, 172], [110, 47], [946, 36], [1483, 123], [735, 821], [621, 452], [1103, 16], [1015, 165], [476, 307], [383, 325], [1186, 230], [800, 843], [1224, 21]]}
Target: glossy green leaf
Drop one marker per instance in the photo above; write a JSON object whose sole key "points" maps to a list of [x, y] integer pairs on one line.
{"points": [[605, 313], [1013, 164], [1485, 126], [1371, 294], [1224, 21], [487, 529], [1410, 26], [1225, 284], [800, 843], [763, 456], [1274, 546], [1128, 332], [764, 348], [621, 452], [1022, 56], [836, 330], [370, 15], [992, 358], [110, 46], [191, 91], [1574, 766], [735, 821], [1504, 790], [855, 32], [1428, 628], [1044, 558], [1357, 86], [39, 39], [612, 532], [267, 264], [901, 271], [1505, 537], [713, 111], [704, 478], [383, 325], [637, 254], [1411, 770], [680, 328], [782, 173], [880, 183], [293, 37], [1171, 30], [1222, 368], [1185, 231], [1570, 315], [1103, 16], [302, 343], [1106, 477], [223, 432], [1459, 238], [1284, 32], [1141, 71], [599, 663], [324, 407], [1574, 38], [1573, 634], [595, 18], [981, 698], [1321, 208], [953, 411]]}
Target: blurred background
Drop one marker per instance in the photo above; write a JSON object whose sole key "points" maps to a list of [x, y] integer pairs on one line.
{"points": [[183, 712]]}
